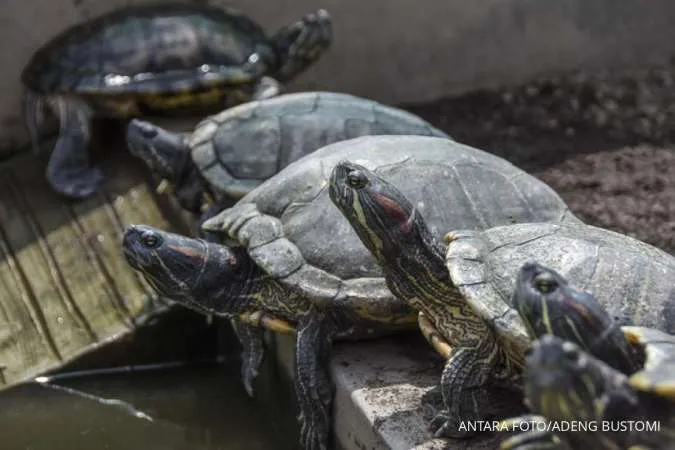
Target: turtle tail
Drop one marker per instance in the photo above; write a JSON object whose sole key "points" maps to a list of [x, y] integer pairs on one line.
{"points": [[34, 114]]}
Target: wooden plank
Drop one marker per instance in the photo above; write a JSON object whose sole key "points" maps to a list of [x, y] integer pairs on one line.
{"points": [[65, 287]]}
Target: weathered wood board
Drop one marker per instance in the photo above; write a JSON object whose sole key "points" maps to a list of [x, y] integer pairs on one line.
{"points": [[65, 287]]}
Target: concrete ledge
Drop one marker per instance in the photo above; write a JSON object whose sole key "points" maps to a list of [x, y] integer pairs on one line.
{"points": [[379, 395], [386, 394]]}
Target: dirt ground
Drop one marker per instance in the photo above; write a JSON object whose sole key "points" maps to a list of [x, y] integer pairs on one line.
{"points": [[606, 143]]}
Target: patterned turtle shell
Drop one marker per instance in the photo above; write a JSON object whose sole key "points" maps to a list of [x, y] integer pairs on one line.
{"points": [[169, 55], [294, 232], [631, 279], [241, 147]]}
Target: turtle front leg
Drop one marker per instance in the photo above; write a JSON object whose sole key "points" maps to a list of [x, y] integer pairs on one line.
{"points": [[33, 116], [250, 329], [433, 336], [313, 386], [252, 341], [68, 170], [463, 385]]}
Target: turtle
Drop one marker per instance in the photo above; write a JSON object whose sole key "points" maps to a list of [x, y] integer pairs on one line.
{"points": [[631, 369], [565, 384], [156, 59], [286, 251], [231, 153], [462, 284], [547, 304]]}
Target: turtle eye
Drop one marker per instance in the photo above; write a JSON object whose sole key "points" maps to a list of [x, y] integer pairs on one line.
{"points": [[148, 131], [356, 179], [545, 283], [571, 352], [151, 240]]}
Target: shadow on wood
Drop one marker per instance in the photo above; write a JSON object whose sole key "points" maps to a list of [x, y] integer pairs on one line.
{"points": [[65, 287]]}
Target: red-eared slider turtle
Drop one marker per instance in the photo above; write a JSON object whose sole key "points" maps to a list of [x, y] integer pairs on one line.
{"points": [[231, 153], [156, 59], [565, 384], [464, 295], [549, 305], [295, 257]]}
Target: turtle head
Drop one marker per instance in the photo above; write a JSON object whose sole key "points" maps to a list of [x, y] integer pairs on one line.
{"points": [[549, 305], [198, 274], [384, 219], [301, 44], [563, 382], [164, 152], [168, 156]]}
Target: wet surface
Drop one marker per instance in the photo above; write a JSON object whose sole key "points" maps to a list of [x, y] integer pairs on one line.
{"points": [[198, 407]]}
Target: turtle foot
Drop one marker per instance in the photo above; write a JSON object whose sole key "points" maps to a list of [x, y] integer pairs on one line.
{"points": [[253, 349], [313, 436], [445, 425], [78, 184]]}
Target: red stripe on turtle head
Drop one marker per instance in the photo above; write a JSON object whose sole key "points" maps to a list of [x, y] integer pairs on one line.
{"points": [[190, 252], [396, 212]]}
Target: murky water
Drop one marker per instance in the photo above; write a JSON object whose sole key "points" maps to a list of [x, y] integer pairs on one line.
{"points": [[198, 407]]}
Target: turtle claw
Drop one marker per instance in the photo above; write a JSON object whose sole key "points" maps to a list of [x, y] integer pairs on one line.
{"points": [[312, 438], [439, 424], [443, 425], [253, 349]]}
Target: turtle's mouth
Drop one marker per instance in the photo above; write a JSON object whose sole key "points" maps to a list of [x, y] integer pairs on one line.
{"points": [[136, 140], [129, 243]]}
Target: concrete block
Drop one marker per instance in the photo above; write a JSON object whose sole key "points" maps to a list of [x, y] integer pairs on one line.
{"points": [[386, 393]]}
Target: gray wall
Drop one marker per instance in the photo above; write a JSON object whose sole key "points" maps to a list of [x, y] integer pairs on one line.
{"points": [[400, 51]]}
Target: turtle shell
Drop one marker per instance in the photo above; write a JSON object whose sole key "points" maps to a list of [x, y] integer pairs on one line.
{"points": [[146, 49], [284, 129], [658, 374], [295, 233], [631, 279]]}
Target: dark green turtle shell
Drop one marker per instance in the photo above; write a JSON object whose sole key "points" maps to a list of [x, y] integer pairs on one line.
{"points": [[147, 49], [283, 129], [294, 232]]}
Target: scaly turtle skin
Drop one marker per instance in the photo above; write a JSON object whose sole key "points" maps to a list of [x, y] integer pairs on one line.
{"points": [[294, 256], [465, 295], [152, 60], [233, 152], [565, 384], [550, 306]]}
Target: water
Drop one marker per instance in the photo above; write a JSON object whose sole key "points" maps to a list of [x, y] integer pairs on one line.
{"points": [[198, 407]]}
